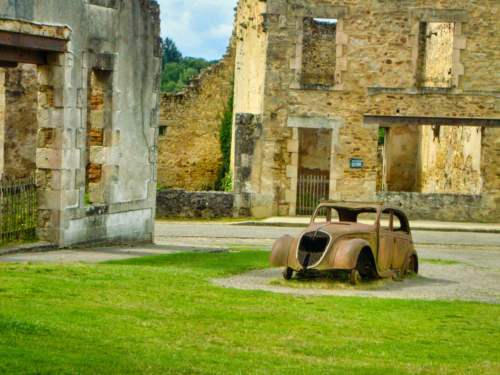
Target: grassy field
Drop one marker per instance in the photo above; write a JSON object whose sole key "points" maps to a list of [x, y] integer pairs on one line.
{"points": [[161, 315]]}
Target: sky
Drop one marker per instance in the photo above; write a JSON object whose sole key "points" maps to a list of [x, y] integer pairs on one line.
{"points": [[199, 28]]}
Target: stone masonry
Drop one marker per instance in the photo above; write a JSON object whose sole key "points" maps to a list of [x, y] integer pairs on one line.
{"points": [[432, 64], [89, 131], [189, 152]]}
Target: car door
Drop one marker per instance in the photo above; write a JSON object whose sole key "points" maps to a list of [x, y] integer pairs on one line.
{"points": [[402, 243], [386, 241]]}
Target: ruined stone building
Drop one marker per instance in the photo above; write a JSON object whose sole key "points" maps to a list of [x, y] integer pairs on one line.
{"points": [[316, 80], [79, 84], [363, 100], [189, 153]]}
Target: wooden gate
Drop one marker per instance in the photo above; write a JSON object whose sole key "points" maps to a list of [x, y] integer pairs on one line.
{"points": [[311, 189], [18, 210]]}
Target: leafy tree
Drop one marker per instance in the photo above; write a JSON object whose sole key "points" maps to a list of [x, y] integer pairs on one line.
{"points": [[177, 75], [170, 52]]}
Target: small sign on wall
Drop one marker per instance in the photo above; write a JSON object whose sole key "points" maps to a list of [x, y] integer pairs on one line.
{"points": [[356, 163]]}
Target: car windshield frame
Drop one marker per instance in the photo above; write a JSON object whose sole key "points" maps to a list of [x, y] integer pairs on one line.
{"points": [[346, 214]]}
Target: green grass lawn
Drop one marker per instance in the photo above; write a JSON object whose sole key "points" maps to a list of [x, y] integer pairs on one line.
{"points": [[161, 315]]}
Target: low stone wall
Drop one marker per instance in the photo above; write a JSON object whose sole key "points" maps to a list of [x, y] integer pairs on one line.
{"points": [[203, 204], [443, 207]]}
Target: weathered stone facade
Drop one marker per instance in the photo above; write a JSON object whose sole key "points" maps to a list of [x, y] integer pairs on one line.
{"points": [[95, 110], [21, 91], [418, 63], [204, 204], [189, 150]]}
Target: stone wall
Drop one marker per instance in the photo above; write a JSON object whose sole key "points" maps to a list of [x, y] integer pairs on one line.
{"points": [[401, 159], [206, 204], [120, 39], [376, 72], [21, 97], [189, 152], [451, 160], [437, 67], [314, 150], [251, 53], [318, 56], [445, 207], [2, 119]]}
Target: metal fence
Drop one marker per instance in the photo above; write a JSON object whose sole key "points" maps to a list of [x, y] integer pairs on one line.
{"points": [[311, 189], [18, 210]]}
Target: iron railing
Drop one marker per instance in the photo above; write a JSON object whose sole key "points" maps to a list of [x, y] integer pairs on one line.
{"points": [[311, 189], [18, 210]]}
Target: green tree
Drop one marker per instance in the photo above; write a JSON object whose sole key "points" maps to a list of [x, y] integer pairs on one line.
{"points": [[170, 52]]}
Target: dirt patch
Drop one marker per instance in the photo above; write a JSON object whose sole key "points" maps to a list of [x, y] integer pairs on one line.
{"points": [[437, 281]]}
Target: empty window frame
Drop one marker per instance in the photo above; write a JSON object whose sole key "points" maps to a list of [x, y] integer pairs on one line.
{"points": [[435, 65], [98, 120], [319, 54]]}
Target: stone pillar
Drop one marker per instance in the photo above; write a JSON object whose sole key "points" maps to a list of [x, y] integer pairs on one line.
{"points": [[2, 119], [490, 165], [292, 171], [248, 129], [57, 158]]}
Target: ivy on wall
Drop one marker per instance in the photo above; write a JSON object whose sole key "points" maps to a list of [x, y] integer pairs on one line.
{"points": [[224, 180]]}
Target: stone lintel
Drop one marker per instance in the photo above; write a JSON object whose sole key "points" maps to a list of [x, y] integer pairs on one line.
{"points": [[315, 122]]}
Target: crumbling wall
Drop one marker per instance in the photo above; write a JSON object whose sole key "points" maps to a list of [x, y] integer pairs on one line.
{"points": [[450, 160], [189, 152], [319, 53], [251, 53], [437, 44], [21, 97], [123, 39], [201, 204], [401, 158], [490, 171], [314, 151], [2, 119]]}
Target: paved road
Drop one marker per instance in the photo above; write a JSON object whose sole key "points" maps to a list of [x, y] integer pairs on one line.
{"points": [[219, 234], [481, 248]]}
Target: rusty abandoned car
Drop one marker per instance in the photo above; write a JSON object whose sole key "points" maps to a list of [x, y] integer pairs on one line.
{"points": [[363, 240]]}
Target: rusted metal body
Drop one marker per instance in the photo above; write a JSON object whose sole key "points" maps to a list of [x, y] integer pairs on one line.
{"points": [[365, 239]]}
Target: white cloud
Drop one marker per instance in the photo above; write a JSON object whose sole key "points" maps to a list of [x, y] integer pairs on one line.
{"points": [[200, 28]]}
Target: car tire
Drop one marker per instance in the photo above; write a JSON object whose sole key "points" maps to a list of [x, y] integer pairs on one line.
{"points": [[354, 277], [287, 273]]}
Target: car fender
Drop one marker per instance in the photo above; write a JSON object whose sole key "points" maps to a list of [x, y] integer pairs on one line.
{"points": [[346, 252], [280, 251]]}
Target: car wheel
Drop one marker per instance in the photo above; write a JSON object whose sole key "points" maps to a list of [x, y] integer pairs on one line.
{"points": [[354, 277], [288, 273]]}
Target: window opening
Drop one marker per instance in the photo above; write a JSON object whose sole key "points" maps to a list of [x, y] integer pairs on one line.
{"points": [[98, 119], [319, 53], [436, 54]]}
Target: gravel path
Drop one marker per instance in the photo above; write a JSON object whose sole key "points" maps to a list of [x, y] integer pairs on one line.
{"points": [[472, 276]]}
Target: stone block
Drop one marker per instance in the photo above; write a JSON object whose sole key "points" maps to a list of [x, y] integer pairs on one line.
{"points": [[293, 145], [292, 171], [57, 199], [98, 155]]}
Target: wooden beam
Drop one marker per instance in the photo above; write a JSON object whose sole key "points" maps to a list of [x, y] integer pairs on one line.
{"points": [[18, 55], [388, 121], [32, 42], [8, 64]]}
